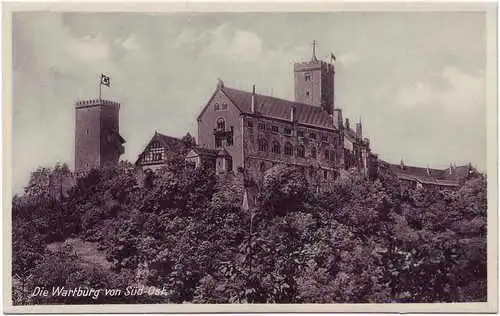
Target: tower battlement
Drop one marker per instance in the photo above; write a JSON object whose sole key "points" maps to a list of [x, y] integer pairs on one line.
{"points": [[95, 102]]}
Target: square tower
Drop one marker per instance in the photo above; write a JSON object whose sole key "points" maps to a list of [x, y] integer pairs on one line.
{"points": [[97, 139], [314, 83]]}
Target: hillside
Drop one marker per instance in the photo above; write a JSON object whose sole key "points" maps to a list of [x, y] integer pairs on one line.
{"points": [[184, 234]]}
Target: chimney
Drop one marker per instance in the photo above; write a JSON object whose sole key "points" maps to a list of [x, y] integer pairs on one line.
{"points": [[450, 169], [253, 100], [359, 130], [337, 118], [347, 123], [428, 170], [292, 113], [402, 164]]}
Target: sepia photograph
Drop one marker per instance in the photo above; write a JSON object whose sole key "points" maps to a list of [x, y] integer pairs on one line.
{"points": [[250, 158]]}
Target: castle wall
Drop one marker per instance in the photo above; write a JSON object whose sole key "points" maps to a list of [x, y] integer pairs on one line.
{"points": [[208, 122], [110, 153], [318, 170], [95, 144], [87, 137]]}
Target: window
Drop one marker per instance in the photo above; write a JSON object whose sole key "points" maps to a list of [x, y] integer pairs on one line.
{"points": [[300, 151], [313, 152], [155, 145], [307, 77], [332, 155], [262, 167], [312, 136], [250, 124], [218, 142], [221, 124], [324, 138], [276, 148], [262, 145], [229, 140], [300, 133], [216, 107], [274, 129], [288, 149], [223, 106], [262, 126], [327, 154], [287, 131], [325, 174], [157, 156], [307, 94]]}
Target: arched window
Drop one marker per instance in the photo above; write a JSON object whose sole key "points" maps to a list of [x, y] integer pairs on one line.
{"points": [[301, 151], [263, 145], [288, 149], [313, 152], [325, 174], [262, 166], [276, 148], [327, 154], [221, 124]]}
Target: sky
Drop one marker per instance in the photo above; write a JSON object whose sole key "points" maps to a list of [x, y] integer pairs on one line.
{"points": [[417, 80]]}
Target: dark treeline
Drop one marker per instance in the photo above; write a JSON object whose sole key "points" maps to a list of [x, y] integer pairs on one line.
{"points": [[184, 231]]}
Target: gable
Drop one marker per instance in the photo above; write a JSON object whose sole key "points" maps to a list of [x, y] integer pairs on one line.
{"points": [[170, 145], [218, 102]]}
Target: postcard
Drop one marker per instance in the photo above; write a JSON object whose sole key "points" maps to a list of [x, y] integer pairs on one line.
{"points": [[250, 157]]}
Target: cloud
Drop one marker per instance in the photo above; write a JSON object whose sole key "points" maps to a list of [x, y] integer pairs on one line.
{"points": [[131, 43], [461, 92], [348, 58], [224, 42], [88, 48]]}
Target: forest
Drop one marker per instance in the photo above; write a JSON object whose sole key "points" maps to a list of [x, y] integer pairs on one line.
{"points": [[183, 233]]}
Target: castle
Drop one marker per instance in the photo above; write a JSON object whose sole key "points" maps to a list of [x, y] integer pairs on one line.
{"points": [[244, 131]]}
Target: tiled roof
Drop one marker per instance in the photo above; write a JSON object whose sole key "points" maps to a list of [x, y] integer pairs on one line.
{"points": [[169, 142], [278, 108], [205, 151], [442, 177]]}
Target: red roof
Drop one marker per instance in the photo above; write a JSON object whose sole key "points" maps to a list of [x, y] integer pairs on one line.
{"points": [[279, 108]]}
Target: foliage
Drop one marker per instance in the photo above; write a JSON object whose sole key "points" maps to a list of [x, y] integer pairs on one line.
{"points": [[184, 231]]}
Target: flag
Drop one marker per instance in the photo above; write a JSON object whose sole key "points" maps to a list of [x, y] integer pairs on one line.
{"points": [[333, 56], [105, 80]]}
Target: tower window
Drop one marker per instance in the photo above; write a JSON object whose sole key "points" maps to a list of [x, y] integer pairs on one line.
{"points": [[276, 148], [300, 133], [262, 126], [288, 149], [274, 129], [287, 131], [307, 94], [262, 145], [307, 77], [221, 124], [300, 151], [312, 136]]}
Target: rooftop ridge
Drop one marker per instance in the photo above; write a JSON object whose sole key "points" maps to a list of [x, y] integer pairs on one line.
{"points": [[273, 97], [92, 102]]}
